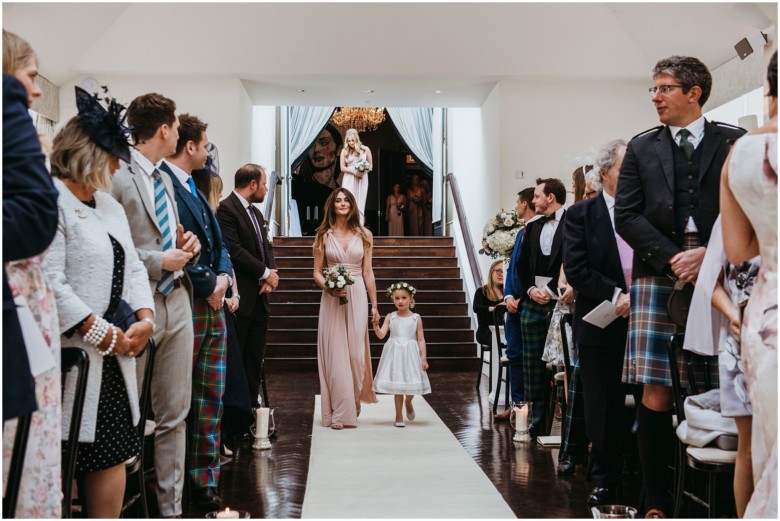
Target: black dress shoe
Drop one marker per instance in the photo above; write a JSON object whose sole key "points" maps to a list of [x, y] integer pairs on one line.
{"points": [[601, 496], [207, 497], [566, 466]]}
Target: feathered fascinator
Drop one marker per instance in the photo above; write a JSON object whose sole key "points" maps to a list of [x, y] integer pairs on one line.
{"points": [[212, 163], [106, 127]]}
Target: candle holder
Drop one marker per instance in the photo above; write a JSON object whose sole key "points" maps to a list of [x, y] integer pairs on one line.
{"points": [[613, 512], [264, 423], [520, 420], [228, 513]]}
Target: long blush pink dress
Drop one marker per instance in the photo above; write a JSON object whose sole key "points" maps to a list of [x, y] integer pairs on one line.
{"points": [[343, 355]]}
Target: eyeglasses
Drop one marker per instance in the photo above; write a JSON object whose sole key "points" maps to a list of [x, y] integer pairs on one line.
{"points": [[663, 89]]}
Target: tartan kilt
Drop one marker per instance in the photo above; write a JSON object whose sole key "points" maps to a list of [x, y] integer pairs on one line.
{"points": [[649, 331]]}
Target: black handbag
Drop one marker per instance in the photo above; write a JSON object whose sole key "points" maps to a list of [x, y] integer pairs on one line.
{"points": [[679, 303], [122, 315]]}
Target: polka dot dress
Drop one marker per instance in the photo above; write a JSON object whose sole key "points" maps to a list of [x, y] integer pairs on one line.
{"points": [[116, 440]]}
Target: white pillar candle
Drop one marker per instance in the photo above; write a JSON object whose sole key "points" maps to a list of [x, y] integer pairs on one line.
{"points": [[227, 514], [261, 422]]}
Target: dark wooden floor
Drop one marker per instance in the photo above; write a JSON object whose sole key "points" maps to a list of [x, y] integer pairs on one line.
{"points": [[271, 484]]}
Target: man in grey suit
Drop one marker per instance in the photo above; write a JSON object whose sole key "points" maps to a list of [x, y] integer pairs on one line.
{"points": [[148, 199]]}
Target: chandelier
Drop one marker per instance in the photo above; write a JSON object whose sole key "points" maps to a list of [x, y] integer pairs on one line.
{"points": [[360, 118]]}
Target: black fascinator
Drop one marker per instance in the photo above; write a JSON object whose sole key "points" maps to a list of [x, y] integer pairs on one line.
{"points": [[212, 163], [106, 127]]}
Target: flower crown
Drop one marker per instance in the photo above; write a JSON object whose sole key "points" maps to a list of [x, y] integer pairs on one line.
{"points": [[401, 285]]}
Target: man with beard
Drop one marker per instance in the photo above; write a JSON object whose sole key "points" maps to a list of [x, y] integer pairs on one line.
{"points": [[317, 178]]}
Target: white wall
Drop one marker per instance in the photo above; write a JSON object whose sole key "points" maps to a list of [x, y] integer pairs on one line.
{"points": [[222, 103], [548, 129]]}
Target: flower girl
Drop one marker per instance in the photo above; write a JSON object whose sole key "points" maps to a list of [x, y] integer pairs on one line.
{"points": [[402, 368]]}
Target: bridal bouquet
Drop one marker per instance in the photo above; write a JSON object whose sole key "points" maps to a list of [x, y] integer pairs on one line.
{"points": [[338, 277], [401, 207], [361, 165], [498, 236]]}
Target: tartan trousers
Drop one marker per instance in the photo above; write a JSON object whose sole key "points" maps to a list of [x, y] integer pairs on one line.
{"points": [[208, 386], [575, 443], [536, 377]]}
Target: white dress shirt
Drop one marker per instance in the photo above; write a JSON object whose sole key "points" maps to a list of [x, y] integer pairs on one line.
{"points": [[548, 232], [245, 204], [181, 175]]}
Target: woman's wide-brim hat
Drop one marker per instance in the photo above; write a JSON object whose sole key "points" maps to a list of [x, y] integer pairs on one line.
{"points": [[104, 125]]}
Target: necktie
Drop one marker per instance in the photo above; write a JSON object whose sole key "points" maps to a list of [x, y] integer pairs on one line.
{"points": [[165, 284], [193, 188], [626, 258], [259, 234], [686, 145]]}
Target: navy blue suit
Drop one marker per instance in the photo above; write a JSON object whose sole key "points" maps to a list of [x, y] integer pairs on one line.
{"points": [[514, 348], [29, 224]]}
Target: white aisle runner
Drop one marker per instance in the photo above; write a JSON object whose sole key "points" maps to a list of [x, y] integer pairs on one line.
{"points": [[381, 471]]}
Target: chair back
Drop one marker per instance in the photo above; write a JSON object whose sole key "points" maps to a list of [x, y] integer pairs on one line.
{"points": [[145, 397], [499, 310], [697, 369], [566, 319], [72, 359], [16, 467]]}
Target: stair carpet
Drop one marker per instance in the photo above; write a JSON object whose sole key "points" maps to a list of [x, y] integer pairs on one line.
{"points": [[427, 263]]}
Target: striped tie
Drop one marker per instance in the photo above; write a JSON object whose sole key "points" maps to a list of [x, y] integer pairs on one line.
{"points": [[165, 284]]}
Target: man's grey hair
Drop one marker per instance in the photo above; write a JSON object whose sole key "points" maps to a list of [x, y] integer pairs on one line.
{"points": [[606, 159], [594, 179]]}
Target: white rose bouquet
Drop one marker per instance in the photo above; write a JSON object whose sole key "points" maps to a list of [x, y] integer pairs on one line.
{"points": [[338, 277], [363, 166], [499, 234]]}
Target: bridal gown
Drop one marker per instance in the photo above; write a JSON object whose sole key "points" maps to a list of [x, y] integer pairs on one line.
{"points": [[358, 186], [343, 355], [753, 180]]}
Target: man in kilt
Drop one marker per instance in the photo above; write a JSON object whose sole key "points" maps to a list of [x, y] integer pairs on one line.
{"points": [[666, 203], [541, 255]]}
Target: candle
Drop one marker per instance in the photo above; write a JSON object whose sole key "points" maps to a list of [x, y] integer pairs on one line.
{"points": [[316, 212], [308, 213], [227, 514], [261, 422], [521, 418]]}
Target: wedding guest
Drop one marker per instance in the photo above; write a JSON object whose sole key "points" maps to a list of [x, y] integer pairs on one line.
{"points": [[513, 294], [592, 185], [29, 225], [343, 354], [578, 182], [749, 206], [97, 278], [427, 207], [665, 213], [165, 248], [597, 263], [485, 301], [394, 212], [414, 204], [354, 180], [317, 176], [211, 277]]}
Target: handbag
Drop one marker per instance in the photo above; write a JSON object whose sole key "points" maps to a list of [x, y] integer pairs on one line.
{"points": [[122, 315], [679, 303]]}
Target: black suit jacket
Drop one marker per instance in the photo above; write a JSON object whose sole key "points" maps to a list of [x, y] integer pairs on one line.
{"points": [[644, 207], [214, 257], [529, 255], [592, 265], [245, 253], [29, 224]]}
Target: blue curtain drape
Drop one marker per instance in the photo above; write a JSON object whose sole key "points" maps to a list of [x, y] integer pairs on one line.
{"points": [[305, 125], [415, 124]]}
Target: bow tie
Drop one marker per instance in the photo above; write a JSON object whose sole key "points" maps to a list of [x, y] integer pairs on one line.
{"points": [[547, 218]]}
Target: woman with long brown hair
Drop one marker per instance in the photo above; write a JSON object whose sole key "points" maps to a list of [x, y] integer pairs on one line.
{"points": [[343, 355]]}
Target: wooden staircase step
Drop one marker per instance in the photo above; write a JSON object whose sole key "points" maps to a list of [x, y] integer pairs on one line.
{"points": [[423, 308], [378, 262], [379, 251], [431, 322], [306, 350], [301, 296], [280, 335], [396, 272], [378, 241], [381, 283]]}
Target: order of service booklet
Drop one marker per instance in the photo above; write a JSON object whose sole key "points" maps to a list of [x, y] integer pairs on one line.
{"points": [[602, 315]]}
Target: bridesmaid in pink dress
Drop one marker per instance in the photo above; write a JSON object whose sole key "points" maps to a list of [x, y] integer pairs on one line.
{"points": [[343, 355]]}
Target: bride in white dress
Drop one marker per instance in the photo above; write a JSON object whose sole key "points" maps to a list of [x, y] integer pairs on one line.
{"points": [[352, 179]]}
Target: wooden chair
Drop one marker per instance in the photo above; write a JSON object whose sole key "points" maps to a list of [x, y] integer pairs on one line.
{"points": [[16, 466], [486, 348], [72, 358], [713, 462], [135, 469], [503, 364]]}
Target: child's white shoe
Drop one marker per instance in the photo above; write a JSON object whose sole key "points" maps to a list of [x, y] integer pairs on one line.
{"points": [[399, 424], [410, 412]]}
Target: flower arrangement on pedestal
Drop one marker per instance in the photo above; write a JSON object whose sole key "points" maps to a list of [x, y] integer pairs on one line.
{"points": [[498, 235]]}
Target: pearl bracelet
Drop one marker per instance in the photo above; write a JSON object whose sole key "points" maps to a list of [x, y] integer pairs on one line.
{"points": [[112, 345], [97, 332]]}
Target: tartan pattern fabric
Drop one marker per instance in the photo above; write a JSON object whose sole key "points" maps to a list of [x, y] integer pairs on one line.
{"points": [[576, 441], [536, 377], [165, 284], [208, 386]]}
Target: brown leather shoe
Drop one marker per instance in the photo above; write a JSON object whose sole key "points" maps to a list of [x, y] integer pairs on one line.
{"points": [[502, 416]]}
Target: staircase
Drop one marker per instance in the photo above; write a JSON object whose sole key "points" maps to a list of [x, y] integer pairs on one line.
{"points": [[428, 263]]}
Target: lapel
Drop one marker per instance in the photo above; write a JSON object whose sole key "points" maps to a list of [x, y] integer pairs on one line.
{"points": [[709, 146], [243, 216], [602, 227], [663, 147], [184, 195], [557, 238], [140, 184]]}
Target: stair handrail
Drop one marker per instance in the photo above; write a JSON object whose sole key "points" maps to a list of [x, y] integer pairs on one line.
{"points": [[471, 251], [269, 201]]}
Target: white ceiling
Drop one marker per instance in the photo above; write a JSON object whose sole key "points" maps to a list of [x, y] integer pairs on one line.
{"points": [[403, 51]]}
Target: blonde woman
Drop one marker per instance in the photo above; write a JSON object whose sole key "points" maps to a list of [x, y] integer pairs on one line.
{"points": [[354, 178]]}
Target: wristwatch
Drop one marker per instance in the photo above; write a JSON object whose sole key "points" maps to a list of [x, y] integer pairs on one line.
{"points": [[238, 297], [149, 321], [230, 279]]}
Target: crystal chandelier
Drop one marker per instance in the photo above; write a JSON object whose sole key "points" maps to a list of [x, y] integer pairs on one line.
{"points": [[360, 118]]}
